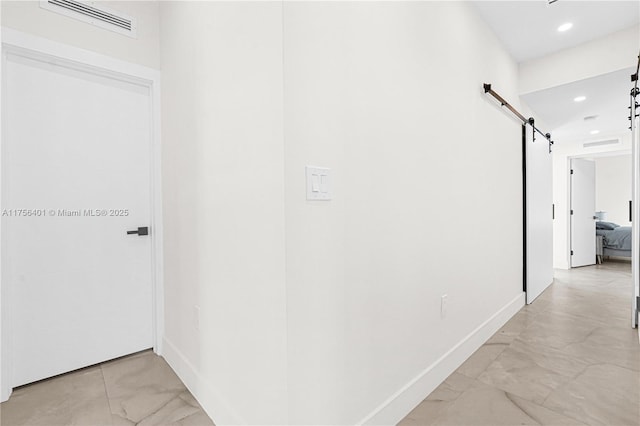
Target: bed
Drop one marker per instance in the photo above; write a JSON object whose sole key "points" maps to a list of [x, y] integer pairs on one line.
{"points": [[616, 239]]}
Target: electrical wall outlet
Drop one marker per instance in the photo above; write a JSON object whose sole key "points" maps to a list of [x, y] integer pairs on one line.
{"points": [[444, 301], [196, 317]]}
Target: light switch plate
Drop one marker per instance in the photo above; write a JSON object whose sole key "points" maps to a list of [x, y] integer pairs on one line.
{"points": [[318, 183]]}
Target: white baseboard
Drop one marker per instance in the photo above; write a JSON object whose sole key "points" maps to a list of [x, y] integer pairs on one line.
{"points": [[209, 398], [396, 407], [390, 412], [5, 393]]}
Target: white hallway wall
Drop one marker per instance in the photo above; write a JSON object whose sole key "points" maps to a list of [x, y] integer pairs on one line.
{"points": [[427, 179], [613, 187], [428, 196], [327, 327], [223, 162]]}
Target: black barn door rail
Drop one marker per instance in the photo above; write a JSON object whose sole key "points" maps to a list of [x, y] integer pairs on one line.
{"points": [[531, 121], [635, 91], [634, 77]]}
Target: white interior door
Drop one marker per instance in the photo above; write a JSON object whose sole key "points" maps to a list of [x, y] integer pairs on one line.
{"points": [[76, 174], [583, 208], [539, 214]]}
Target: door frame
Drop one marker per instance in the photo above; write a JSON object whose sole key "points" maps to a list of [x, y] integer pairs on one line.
{"points": [[635, 212], [570, 206], [594, 155], [39, 48]]}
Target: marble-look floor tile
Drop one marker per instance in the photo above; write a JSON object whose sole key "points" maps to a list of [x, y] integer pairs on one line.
{"points": [[116, 420], [568, 358], [531, 372], [604, 309], [126, 375], [140, 386], [447, 392], [77, 398], [485, 405], [140, 389], [542, 415], [175, 410], [558, 330], [197, 419], [514, 327], [603, 394], [538, 307], [613, 345], [481, 359], [182, 409], [550, 358]]}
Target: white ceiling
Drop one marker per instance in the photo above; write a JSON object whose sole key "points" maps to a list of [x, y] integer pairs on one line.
{"points": [[607, 98], [528, 29]]}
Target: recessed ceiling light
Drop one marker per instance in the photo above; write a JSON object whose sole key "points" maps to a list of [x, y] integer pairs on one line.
{"points": [[579, 98], [594, 132], [564, 27]]}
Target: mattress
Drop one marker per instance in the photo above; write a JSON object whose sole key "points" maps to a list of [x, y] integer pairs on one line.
{"points": [[617, 239]]}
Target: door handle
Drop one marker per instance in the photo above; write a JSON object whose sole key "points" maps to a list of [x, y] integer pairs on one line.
{"points": [[142, 230]]}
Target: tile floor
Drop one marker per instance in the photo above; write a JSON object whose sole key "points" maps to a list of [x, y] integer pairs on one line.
{"points": [[570, 358], [137, 390]]}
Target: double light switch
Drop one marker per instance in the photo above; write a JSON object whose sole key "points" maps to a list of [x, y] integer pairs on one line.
{"points": [[318, 183]]}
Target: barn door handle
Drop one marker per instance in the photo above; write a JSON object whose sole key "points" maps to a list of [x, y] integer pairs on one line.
{"points": [[143, 230]]}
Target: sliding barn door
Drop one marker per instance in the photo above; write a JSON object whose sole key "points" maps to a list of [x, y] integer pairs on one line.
{"points": [[539, 214]]}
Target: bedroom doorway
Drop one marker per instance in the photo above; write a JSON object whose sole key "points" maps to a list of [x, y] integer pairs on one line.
{"points": [[601, 234], [600, 222]]}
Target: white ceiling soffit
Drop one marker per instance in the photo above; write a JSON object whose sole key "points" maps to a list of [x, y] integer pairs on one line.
{"points": [[529, 28], [605, 107]]}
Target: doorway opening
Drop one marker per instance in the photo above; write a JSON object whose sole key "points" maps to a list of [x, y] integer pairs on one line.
{"points": [[599, 209]]}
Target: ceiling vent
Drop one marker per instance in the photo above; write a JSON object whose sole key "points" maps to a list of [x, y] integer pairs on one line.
{"points": [[93, 14], [601, 143]]}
